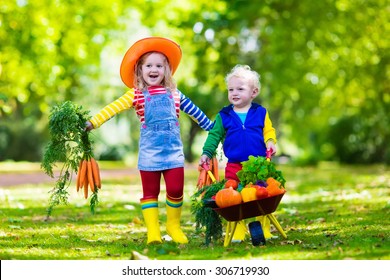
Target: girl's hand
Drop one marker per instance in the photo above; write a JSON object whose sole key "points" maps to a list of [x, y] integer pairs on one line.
{"points": [[88, 126], [271, 145]]}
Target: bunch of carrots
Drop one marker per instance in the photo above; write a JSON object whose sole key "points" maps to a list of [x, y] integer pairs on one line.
{"points": [[204, 178], [88, 175]]}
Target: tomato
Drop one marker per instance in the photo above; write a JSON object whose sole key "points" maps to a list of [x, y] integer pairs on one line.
{"points": [[231, 183], [261, 192]]}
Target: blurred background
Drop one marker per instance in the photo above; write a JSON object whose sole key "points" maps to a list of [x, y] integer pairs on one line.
{"points": [[324, 69]]}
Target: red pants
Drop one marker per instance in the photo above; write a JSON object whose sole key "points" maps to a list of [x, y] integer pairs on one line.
{"points": [[231, 170], [174, 182]]}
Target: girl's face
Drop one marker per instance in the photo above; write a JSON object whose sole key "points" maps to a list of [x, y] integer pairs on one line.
{"points": [[153, 69], [241, 94]]}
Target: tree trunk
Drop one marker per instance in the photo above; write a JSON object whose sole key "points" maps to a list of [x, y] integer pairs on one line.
{"points": [[189, 141]]}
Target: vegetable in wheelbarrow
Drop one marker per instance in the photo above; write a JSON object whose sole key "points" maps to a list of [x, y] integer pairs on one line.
{"points": [[259, 169], [274, 187], [255, 173], [228, 197], [248, 193], [205, 216]]}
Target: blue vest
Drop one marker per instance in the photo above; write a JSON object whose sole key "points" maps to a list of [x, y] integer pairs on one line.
{"points": [[243, 139]]}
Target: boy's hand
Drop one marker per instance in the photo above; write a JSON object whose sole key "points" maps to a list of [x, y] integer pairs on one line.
{"points": [[271, 145], [204, 159]]}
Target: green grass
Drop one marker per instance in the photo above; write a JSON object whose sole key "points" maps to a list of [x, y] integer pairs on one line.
{"points": [[329, 212]]}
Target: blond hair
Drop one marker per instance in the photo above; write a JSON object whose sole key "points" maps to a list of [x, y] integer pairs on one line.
{"points": [[167, 82], [246, 73]]}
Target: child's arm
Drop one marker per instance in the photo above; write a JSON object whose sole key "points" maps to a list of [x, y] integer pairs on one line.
{"points": [[188, 107], [122, 103], [269, 134], [214, 137], [88, 126]]}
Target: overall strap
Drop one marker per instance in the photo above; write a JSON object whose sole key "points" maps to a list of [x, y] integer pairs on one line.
{"points": [[176, 98]]}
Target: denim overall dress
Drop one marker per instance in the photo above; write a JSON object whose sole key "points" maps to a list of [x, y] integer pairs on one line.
{"points": [[160, 145]]}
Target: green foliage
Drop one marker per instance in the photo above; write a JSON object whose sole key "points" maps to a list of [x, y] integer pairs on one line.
{"points": [[49, 51], [204, 215], [69, 144], [356, 142], [19, 141], [94, 201], [259, 169], [319, 61]]}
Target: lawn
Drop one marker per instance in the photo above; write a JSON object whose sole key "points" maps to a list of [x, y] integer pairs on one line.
{"points": [[330, 212]]}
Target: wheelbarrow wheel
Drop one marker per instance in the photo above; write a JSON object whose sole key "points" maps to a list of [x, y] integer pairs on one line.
{"points": [[257, 235]]}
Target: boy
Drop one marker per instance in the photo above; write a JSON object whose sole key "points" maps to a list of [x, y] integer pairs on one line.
{"points": [[244, 128]]}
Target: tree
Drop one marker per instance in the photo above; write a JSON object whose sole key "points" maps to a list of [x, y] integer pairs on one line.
{"points": [[323, 65], [48, 47]]}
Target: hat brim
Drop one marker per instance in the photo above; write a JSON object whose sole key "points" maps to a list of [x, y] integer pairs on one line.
{"points": [[158, 44]]}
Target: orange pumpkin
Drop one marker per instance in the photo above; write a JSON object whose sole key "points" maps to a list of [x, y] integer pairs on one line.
{"points": [[227, 197]]}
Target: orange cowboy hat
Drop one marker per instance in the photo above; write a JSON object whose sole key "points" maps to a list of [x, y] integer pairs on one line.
{"points": [[158, 44]]}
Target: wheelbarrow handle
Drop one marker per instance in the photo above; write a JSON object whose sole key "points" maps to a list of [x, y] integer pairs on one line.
{"points": [[268, 154], [206, 167]]}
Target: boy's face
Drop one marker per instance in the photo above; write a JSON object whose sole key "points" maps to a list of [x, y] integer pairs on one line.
{"points": [[153, 69], [241, 93]]}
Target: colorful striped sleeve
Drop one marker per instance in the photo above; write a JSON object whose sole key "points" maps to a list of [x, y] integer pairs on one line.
{"points": [[122, 103], [269, 131], [188, 107]]}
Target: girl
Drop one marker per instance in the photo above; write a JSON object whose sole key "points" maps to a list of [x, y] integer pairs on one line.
{"points": [[147, 69]]}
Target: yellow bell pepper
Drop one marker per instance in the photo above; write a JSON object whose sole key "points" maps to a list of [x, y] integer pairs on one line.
{"points": [[248, 194]]}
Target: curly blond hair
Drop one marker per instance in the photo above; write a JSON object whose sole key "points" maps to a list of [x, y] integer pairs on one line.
{"points": [[246, 73]]}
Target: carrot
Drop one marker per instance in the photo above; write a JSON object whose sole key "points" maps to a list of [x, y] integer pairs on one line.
{"points": [[85, 188], [96, 173], [209, 181], [201, 178], [82, 172], [78, 176], [214, 168], [90, 176]]}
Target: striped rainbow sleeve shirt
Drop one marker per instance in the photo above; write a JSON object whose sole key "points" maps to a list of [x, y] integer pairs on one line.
{"points": [[124, 102], [188, 107], [135, 98]]}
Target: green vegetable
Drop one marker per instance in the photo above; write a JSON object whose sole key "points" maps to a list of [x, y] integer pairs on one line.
{"points": [[69, 143], [259, 168], [205, 216]]}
